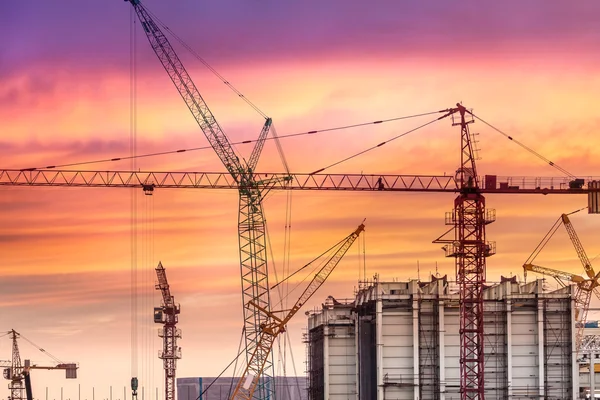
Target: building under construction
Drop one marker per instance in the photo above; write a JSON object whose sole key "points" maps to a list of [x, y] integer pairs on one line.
{"points": [[400, 340]]}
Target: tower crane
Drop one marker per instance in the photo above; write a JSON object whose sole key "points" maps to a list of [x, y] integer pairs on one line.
{"points": [[469, 212], [167, 315], [251, 221], [19, 373], [584, 286], [15, 371], [274, 325], [469, 247]]}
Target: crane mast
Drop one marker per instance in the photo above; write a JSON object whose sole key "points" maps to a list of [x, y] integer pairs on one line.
{"points": [[469, 248], [560, 276], [16, 370], [167, 315], [251, 222], [275, 325]]}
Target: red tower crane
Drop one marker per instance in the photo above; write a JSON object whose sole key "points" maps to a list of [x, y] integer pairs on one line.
{"points": [[167, 315], [470, 248]]}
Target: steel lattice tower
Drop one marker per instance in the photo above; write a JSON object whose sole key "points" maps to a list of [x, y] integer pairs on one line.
{"points": [[470, 249], [16, 379], [167, 315]]}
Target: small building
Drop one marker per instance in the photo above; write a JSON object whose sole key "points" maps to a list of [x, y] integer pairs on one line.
{"points": [[286, 388], [400, 340]]}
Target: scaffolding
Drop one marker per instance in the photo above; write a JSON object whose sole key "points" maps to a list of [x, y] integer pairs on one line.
{"points": [[316, 372], [429, 344], [558, 349], [407, 345], [495, 350]]}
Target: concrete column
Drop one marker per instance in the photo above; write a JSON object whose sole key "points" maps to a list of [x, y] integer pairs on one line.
{"points": [[541, 361], [357, 354], [442, 353], [379, 343], [415, 326], [509, 361], [574, 361], [592, 377], [326, 360]]}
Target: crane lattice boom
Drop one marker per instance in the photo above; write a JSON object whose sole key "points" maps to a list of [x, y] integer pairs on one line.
{"points": [[559, 275], [274, 325], [150, 180], [584, 287], [585, 261]]}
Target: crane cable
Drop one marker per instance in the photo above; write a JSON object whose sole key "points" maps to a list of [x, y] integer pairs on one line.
{"points": [[286, 250], [283, 292], [235, 143], [279, 289], [312, 272], [133, 203], [41, 349], [222, 372], [530, 150], [234, 367], [206, 64], [548, 236], [376, 146]]}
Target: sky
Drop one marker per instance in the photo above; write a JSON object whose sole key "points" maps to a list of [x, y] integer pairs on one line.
{"points": [[531, 69]]}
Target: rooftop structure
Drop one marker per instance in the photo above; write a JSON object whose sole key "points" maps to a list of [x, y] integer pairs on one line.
{"points": [[400, 340]]}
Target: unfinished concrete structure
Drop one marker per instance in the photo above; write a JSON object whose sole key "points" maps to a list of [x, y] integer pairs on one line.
{"points": [[203, 388], [400, 340]]}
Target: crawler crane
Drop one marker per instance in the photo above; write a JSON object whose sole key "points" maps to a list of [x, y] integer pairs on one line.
{"points": [[251, 222], [584, 286], [274, 325]]}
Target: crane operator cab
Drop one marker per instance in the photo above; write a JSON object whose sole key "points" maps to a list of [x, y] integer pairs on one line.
{"points": [[158, 315]]}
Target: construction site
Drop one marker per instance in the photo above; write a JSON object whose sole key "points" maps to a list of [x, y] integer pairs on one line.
{"points": [[522, 330]]}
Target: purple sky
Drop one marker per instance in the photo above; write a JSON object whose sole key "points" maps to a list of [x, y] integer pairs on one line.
{"points": [[79, 36]]}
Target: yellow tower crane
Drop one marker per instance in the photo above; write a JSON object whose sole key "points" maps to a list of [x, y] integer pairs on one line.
{"points": [[584, 286]]}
